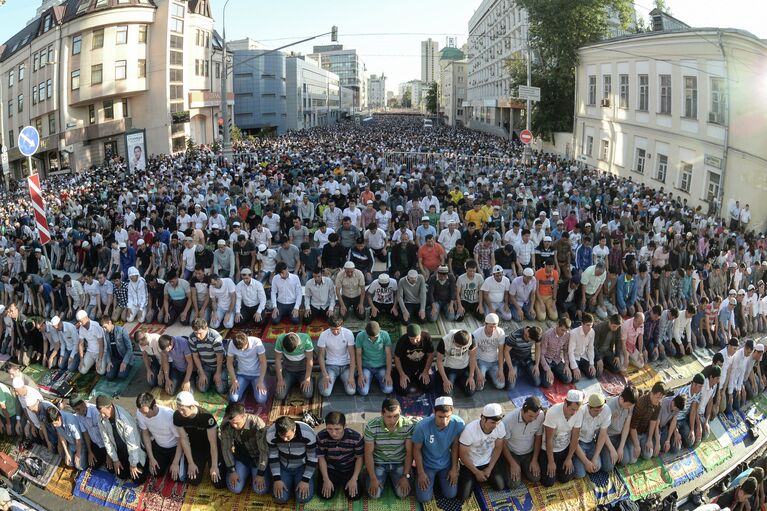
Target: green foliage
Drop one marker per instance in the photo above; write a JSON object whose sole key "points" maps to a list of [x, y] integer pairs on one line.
{"points": [[236, 135], [431, 98], [557, 29], [662, 7], [392, 103], [191, 149], [407, 99]]}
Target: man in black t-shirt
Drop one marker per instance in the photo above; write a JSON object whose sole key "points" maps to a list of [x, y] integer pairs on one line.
{"points": [[245, 253], [200, 282], [198, 433], [413, 356]]}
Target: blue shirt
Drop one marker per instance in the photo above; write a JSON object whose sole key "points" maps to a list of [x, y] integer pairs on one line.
{"points": [[90, 424], [70, 427], [437, 443], [179, 351]]}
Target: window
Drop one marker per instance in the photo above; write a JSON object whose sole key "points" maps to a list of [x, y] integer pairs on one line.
{"points": [[10, 108], [11, 140], [691, 97], [109, 109], [589, 145], [177, 25], [176, 75], [624, 91], [716, 113], [98, 39], [34, 94], [640, 160], [20, 103], [122, 34], [712, 191], [142, 68], [125, 107], [604, 150], [49, 87], [665, 94], [142, 33], [101, 3], [77, 42], [51, 54], [176, 58], [177, 10], [644, 93], [39, 125], [176, 92], [21, 72], [43, 59], [176, 42], [97, 74], [75, 79], [592, 90], [35, 62], [121, 69], [607, 86], [10, 78], [92, 113], [685, 176], [41, 89], [660, 173], [47, 23], [179, 144]]}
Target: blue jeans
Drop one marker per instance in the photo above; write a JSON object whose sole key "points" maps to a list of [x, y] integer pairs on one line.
{"points": [[525, 366], [115, 373], [334, 372], [664, 433], [176, 377], [525, 310], [221, 388], [285, 310], [441, 308], [291, 478], [154, 366], [244, 471], [292, 378], [558, 370], [65, 362], [448, 491], [380, 374], [244, 382], [492, 367], [72, 448], [683, 427], [628, 453], [588, 448], [645, 454], [391, 471]]}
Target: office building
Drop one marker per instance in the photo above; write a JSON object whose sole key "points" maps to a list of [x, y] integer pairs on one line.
{"points": [[348, 66], [429, 61], [313, 94], [446, 55], [453, 91], [377, 91]]}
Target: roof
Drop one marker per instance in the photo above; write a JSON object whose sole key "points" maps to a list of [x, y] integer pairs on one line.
{"points": [[690, 31], [450, 53]]}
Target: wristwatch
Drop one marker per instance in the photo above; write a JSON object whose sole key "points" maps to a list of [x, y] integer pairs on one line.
{"points": [[407, 475]]}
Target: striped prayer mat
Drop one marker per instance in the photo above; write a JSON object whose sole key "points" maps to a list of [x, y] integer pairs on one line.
{"points": [[575, 495], [645, 477]]}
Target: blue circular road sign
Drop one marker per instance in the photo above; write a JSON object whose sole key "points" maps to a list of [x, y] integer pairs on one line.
{"points": [[29, 141]]}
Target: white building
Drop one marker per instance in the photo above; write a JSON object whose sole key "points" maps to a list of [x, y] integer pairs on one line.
{"points": [[673, 110], [429, 61], [377, 91], [313, 94], [497, 33], [453, 91]]}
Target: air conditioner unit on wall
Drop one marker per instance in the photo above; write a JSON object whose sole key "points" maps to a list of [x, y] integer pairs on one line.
{"points": [[606, 102]]}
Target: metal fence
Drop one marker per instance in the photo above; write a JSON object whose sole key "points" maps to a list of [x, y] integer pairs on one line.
{"points": [[414, 160], [249, 159]]}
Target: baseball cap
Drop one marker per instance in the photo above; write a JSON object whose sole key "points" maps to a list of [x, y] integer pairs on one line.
{"points": [[348, 265], [574, 396], [424, 218], [528, 272], [81, 315], [492, 318], [139, 242], [383, 278], [186, 398], [492, 411], [443, 401], [497, 268], [596, 400]]}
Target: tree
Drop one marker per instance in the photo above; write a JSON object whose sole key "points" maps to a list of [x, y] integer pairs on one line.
{"points": [[662, 7], [431, 98], [391, 102], [236, 134], [557, 28], [407, 99], [191, 149]]}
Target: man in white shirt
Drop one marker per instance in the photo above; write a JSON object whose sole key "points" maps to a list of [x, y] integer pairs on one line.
{"points": [[558, 445], [321, 235], [480, 449], [160, 437], [495, 294], [67, 339], [490, 341], [250, 300], [249, 355], [448, 236], [320, 297], [223, 297], [138, 299], [736, 393], [286, 294], [524, 436], [581, 349], [592, 437], [91, 344], [336, 355]]}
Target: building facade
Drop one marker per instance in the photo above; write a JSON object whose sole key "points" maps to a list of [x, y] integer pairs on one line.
{"points": [[313, 94], [453, 91], [260, 89], [377, 91], [678, 112], [429, 61], [446, 55], [348, 66], [89, 75]]}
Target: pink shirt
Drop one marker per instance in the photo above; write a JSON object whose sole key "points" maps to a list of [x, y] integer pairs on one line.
{"points": [[630, 335]]}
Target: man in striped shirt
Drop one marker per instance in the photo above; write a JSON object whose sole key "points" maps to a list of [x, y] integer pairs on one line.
{"points": [[389, 450], [339, 451], [292, 459], [207, 347]]}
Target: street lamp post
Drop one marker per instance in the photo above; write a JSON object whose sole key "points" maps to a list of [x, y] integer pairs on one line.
{"points": [[224, 96]]}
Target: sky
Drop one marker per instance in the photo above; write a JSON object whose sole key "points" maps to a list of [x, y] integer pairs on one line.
{"points": [[387, 34]]}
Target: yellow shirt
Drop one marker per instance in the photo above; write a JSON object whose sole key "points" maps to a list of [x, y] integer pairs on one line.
{"points": [[478, 217], [456, 196]]}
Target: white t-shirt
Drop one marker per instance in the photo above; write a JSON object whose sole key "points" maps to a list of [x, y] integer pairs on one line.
{"points": [[590, 426], [496, 291], [152, 348], [189, 258], [321, 238], [160, 426], [248, 363], [336, 346], [555, 418], [481, 444], [488, 345], [224, 293], [91, 335]]}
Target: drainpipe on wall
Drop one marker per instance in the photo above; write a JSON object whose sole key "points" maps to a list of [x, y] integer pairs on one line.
{"points": [[726, 126], [575, 115]]}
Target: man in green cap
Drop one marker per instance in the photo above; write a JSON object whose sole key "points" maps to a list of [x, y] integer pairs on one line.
{"points": [[374, 359]]}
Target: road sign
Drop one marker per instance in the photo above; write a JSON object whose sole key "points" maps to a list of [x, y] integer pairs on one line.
{"points": [[527, 92], [29, 141], [33, 182], [526, 136]]}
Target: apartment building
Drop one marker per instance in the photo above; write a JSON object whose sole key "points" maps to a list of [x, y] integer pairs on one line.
{"points": [[377, 91], [349, 67], [453, 91]]}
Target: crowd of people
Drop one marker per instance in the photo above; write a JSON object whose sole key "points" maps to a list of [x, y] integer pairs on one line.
{"points": [[326, 224]]}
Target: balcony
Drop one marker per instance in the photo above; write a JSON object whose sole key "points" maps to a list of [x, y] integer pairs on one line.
{"points": [[97, 131]]}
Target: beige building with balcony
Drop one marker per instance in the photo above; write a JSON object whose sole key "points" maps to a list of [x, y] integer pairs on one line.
{"points": [[85, 72], [680, 108]]}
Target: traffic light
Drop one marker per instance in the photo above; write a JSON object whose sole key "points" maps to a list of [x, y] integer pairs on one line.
{"points": [[334, 34], [220, 126]]}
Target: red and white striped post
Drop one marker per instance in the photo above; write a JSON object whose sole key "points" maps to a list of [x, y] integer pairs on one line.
{"points": [[33, 182]]}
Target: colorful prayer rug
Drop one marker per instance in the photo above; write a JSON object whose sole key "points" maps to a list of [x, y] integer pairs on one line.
{"points": [[150, 328], [522, 390], [162, 494], [572, 496], [643, 379], [755, 414], [682, 467], [557, 392], [163, 399], [435, 329], [735, 426], [704, 356], [389, 502], [492, 500], [272, 331], [213, 402], [206, 497], [612, 384], [712, 453], [420, 405], [688, 366], [251, 406], [294, 405], [760, 401], [645, 477], [250, 331], [84, 383], [62, 483], [105, 489], [49, 463], [608, 487], [316, 327], [36, 372], [443, 504], [337, 503], [588, 386], [115, 387], [57, 381]]}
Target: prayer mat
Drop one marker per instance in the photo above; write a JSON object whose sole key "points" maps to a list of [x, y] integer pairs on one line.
{"points": [[224, 332], [317, 326], [735, 426], [612, 384], [468, 322], [57, 381], [337, 503], [251, 406], [84, 383], [522, 389], [668, 370], [575, 495], [162, 494], [150, 328], [163, 399], [389, 502], [250, 331], [62, 483], [712, 453], [557, 392], [588, 386], [754, 414], [508, 326], [760, 401], [442, 504], [518, 489], [492, 500], [704, 355], [105, 489], [49, 463], [419, 405], [213, 402], [645, 477], [389, 325], [608, 487], [294, 405], [206, 497], [435, 329], [272, 331], [115, 387], [682, 467], [36, 372], [688, 366], [642, 379], [354, 324], [717, 429]]}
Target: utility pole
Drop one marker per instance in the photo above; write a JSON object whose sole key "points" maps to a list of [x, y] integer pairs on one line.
{"points": [[528, 114], [227, 148]]}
